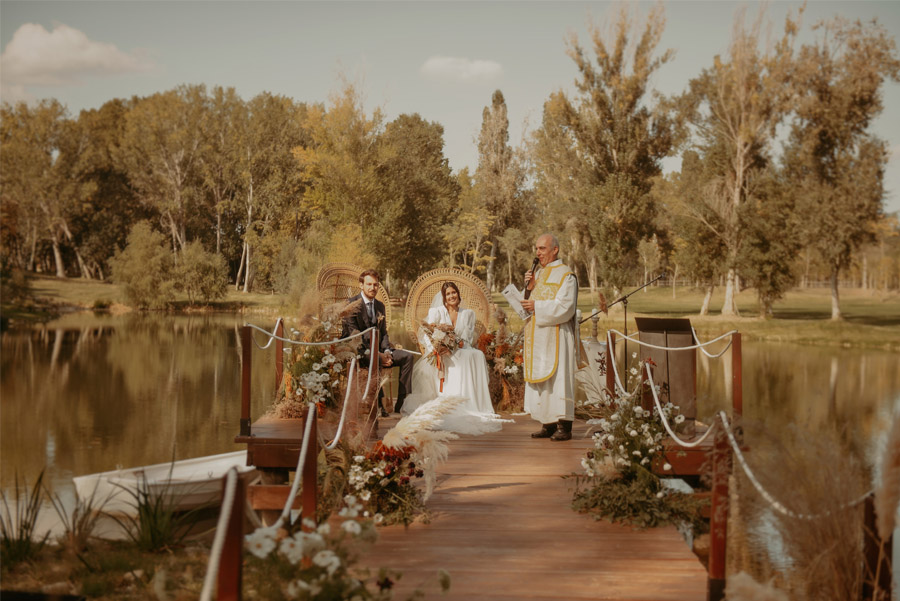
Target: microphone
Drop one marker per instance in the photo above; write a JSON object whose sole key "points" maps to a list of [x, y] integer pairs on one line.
{"points": [[533, 267]]}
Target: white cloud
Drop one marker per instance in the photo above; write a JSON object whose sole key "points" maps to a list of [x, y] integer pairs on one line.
{"points": [[461, 69], [64, 56]]}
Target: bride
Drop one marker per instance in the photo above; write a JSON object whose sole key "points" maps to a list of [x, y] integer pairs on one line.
{"points": [[465, 370]]}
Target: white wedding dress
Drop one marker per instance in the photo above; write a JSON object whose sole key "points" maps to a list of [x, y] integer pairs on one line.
{"points": [[465, 376]]}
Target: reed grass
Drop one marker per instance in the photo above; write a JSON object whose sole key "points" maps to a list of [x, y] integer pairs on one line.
{"points": [[17, 527], [813, 474], [79, 524], [887, 494], [157, 524]]}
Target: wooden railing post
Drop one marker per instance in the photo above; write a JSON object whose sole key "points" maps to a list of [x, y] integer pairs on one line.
{"points": [[878, 552], [230, 574], [246, 353], [718, 520], [737, 377], [595, 325], [309, 471], [610, 365], [279, 353]]}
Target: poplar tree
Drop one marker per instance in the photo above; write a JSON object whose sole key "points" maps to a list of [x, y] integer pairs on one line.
{"points": [[498, 177], [735, 107], [619, 135], [835, 161]]}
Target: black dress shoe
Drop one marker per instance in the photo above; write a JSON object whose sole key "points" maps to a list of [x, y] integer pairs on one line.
{"points": [[546, 431], [564, 431], [385, 413]]}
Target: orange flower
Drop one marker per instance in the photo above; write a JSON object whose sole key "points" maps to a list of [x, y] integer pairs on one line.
{"points": [[518, 359], [484, 341]]}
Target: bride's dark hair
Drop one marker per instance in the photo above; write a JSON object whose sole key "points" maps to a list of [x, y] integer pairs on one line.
{"points": [[444, 287]]}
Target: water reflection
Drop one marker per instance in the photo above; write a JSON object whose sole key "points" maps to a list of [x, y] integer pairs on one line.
{"points": [[87, 393]]}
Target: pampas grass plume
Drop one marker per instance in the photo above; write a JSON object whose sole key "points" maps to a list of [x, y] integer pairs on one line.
{"points": [[742, 587], [888, 492]]}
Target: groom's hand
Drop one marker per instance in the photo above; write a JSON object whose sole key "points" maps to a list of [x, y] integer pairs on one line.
{"points": [[386, 359]]}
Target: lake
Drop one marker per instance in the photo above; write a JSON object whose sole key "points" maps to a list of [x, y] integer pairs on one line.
{"points": [[87, 393]]}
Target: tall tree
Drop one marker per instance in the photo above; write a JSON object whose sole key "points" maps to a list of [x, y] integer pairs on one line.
{"points": [[417, 177], [220, 154], [498, 177], [161, 151], [561, 185], [736, 106], [833, 156], [619, 135], [43, 165], [268, 179]]}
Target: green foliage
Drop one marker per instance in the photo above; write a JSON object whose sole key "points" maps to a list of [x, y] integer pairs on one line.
{"points": [[17, 531], [202, 275], [637, 499], [14, 287], [157, 524], [144, 268]]}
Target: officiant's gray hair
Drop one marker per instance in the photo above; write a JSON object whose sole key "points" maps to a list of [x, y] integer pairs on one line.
{"points": [[553, 239]]}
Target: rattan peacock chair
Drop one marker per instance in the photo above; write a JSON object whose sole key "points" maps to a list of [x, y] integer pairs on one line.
{"points": [[474, 295], [337, 282]]}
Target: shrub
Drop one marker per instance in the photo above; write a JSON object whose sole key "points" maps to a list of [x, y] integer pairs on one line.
{"points": [[145, 268], [200, 274]]}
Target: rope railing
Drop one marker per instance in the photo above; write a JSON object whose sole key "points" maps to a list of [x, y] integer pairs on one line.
{"points": [[665, 421], [273, 336], [610, 348], [770, 499], [672, 348], [703, 345], [215, 553], [295, 486]]}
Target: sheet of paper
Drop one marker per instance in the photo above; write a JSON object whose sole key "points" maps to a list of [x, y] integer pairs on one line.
{"points": [[514, 298]]}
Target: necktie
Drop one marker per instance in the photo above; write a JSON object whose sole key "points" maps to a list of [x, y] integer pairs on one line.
{"points": [[371, 307]]}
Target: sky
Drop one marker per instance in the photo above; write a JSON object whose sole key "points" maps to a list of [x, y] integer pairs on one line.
{"points": [[442, 60]]}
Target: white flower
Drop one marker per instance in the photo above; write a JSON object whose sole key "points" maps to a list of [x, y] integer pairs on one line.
{"points": [[667, 466], [359, 458], [337, 368], [633, 371], [638, 411], [324, 529], [660, 495], [352, 526], [327, 559], [679, 418], [261, 542], [614, 417], [633, 433], [378, 518], [645, 461], [348, 512], [621, 448], [636, 453], [316, 366], [438, 335], [309, 523], [292, 549], [365, 495]]}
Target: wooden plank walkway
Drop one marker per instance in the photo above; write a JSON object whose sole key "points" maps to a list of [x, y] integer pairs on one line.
{"points": [[503, 528]]}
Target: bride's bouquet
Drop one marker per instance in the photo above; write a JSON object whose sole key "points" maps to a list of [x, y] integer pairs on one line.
{"points": [[443, 342]]}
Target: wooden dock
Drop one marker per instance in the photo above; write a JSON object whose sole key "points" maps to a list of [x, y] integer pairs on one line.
{"points": [[503, 527]]}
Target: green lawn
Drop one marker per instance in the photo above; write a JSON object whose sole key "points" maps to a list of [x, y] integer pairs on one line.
{"points": [[871, 319]]}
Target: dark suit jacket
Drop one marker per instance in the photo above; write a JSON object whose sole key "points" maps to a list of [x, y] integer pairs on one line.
{"points": [[357, 320]]}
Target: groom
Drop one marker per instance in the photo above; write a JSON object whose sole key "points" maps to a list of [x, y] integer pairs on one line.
{"points": [[365, 311]]}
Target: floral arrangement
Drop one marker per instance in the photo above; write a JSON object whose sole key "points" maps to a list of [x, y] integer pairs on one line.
{"points": [[317, 563], [503, 352], [617, 482], [443, 342], [383, 480], [313, 373]]}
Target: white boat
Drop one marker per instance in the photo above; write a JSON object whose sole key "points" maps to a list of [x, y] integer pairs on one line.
{"points": [[186, 484]]}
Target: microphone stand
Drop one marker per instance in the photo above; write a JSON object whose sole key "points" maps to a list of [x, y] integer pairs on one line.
{"points": [[624, 300]]}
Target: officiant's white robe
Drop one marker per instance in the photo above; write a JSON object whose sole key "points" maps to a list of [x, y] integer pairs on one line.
{"points": [[549, 353]]}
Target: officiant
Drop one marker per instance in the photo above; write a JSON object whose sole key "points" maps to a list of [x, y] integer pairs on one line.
{"points": [[365, 311], [549, 355]]}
